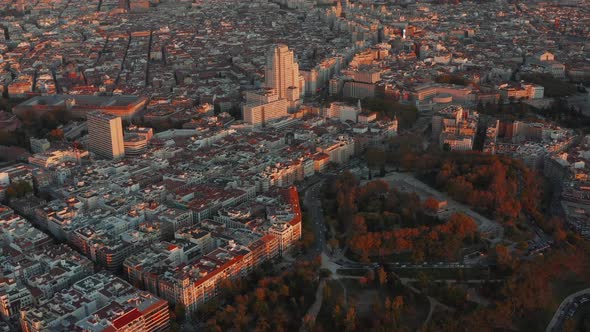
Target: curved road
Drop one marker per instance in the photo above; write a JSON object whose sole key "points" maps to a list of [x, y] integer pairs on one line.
{"points": [[558, 316]]}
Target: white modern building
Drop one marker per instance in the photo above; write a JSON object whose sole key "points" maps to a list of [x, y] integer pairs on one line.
{"points": [[282, 73], [105, 135]]}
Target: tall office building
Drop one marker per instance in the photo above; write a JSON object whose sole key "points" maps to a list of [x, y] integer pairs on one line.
{"points": [[105, 135], [282, 73]]}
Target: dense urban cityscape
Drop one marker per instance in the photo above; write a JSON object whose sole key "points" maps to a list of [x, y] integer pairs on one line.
{"points": [[294, 165]]}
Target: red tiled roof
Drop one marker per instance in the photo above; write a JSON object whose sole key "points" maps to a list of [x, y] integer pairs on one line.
{"points": [[126, 318]]}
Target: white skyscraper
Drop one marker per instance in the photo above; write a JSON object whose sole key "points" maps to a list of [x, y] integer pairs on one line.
{"points": [[283, 91], [105, 135], [282, 73]]}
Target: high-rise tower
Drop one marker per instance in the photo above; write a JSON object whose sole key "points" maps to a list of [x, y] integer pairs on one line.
{"points": [[105, 135], [282, 73]]}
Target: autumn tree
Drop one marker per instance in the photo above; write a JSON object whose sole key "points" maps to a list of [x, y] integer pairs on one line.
{"points": [[19, 189], [462, 225], [334, 243], [350, 321], [503, 257], [382, 275], [358, 224], [278, 302], [396, 307], [431, 204], [337, 313], [56, 134]]}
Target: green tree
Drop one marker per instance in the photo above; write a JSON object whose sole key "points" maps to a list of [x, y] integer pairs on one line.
{"points": [[179, 311], [375, 157], [19, 189]]}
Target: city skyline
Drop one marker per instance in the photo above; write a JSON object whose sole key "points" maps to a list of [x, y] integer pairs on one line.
{"points": [[294, 165]]}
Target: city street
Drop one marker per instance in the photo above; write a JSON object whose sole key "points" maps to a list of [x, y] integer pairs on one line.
{"points": [[313, 206]]}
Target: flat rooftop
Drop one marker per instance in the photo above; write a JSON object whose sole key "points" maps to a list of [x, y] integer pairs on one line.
{"points": [[81, 101]]}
